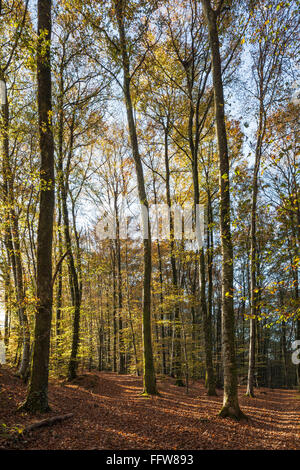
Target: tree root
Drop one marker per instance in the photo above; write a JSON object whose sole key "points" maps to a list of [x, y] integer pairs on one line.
{"points": [[179, 383], [233, 413], [211, 393]]}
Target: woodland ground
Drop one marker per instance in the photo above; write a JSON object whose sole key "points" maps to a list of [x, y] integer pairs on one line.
{"points": [[108, 413]]}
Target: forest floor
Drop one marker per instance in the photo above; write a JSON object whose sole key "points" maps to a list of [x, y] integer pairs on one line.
{"points": [[108, 413]]}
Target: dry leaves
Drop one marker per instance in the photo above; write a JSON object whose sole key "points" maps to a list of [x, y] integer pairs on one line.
{"points": [[108, 413]]}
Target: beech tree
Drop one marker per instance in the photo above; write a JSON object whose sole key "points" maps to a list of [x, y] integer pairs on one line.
{"points": [[149, 373], [176, 103], [272, 41], [230, 403], [11, 223], [37, 398]]}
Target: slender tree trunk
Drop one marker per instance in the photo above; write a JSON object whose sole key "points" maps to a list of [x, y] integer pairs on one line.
{"points": [[177, 359], [284, 355], [206, 319], [210, 247], [129, 316], [37, 398], [75, 287], [230, 399], [75, 274], [195, 323], [59, 291], [149, 373], [23, 371], [162, 319], [251, 364], [121, 368], [12, 237], [7, 303], [295, 248], [114, 299], [219, 374], [253, 257], [161, 297]]}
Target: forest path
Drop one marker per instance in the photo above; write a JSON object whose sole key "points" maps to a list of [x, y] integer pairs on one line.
{"points": [[108, 413]]}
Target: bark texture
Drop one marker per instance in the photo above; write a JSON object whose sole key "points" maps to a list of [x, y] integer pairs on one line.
{"points": [[230, 399], [37, 398], [149, 373]]}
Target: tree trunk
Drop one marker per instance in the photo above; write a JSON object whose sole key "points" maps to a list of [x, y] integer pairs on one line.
{"points": [[59, 291], [177, 359], [161, 297], [206, 319], [12, 237], [149, 373], [114, 299], [63, 177], [253, 256], [7, 303], [129, 316], [230, 399], [37, 398], [121, 368]]}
